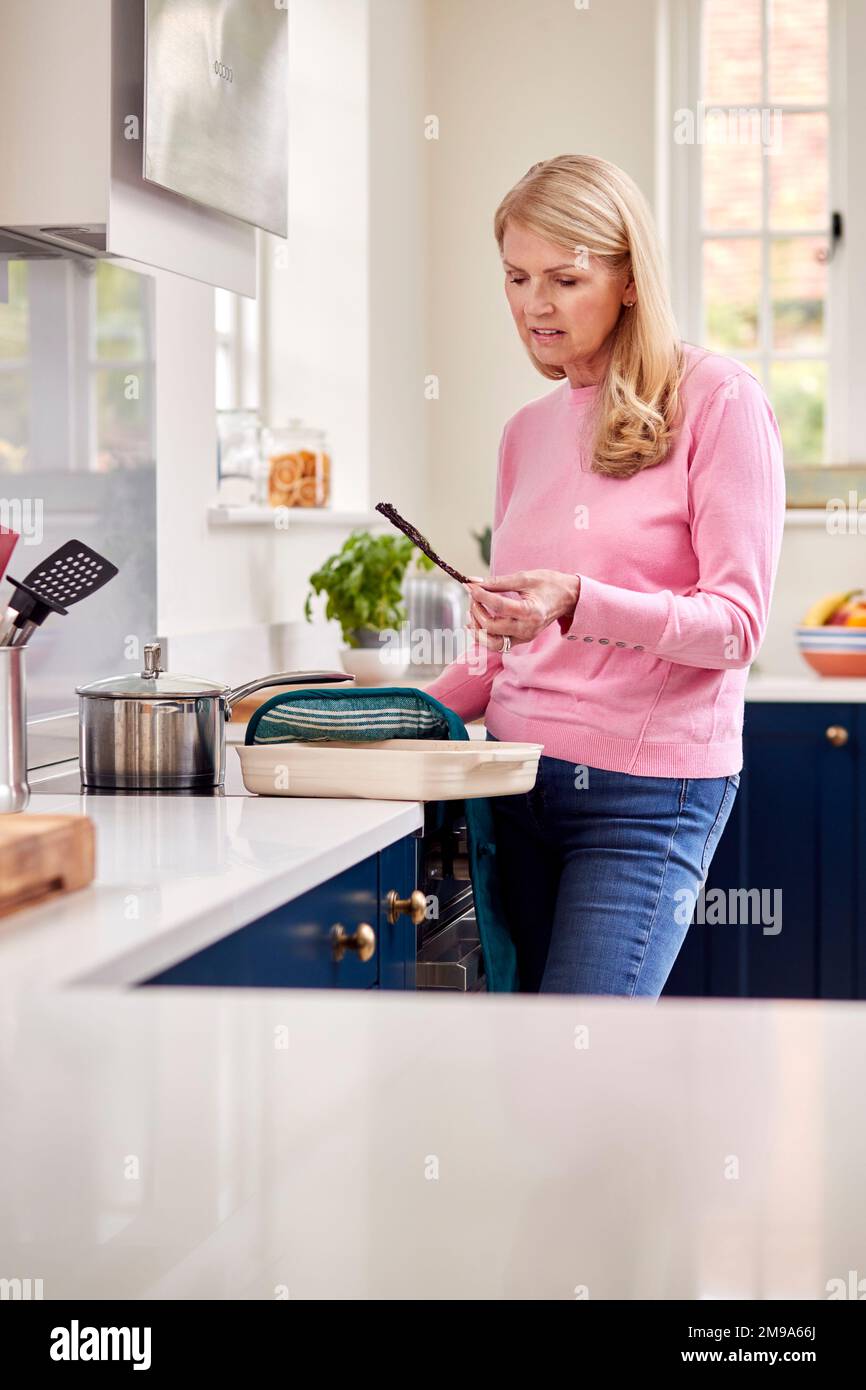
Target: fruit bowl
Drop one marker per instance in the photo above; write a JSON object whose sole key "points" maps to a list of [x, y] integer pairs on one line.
{"points": [[833, 651]]}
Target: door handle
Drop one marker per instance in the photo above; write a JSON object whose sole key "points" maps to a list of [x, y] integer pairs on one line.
{"points": [[362, 940], [415, 905], [837, 735]]}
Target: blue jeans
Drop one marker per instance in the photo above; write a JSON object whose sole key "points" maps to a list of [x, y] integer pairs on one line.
{"points": [[600, 871]]}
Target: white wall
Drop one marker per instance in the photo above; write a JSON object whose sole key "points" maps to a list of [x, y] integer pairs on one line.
{"points": [[212, 580], [813, 562], [511, 83], [345, 320], [399, 256], [316, 287], [393, 274]]}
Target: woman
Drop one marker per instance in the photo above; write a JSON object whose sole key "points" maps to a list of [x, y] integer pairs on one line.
{"points": [[636, 536]]}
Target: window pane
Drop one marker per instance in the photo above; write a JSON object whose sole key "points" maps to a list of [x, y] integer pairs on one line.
{"points": [[798, 288], [798, 173], [732, 51], [123, 407], [223, 310], [732, 186], [122, 329], [797, 41], [732, 282], [14, 420], [798, 393], [225, 393], [14, 316]]}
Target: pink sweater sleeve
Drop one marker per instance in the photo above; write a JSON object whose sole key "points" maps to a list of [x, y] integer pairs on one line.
{"points": [[737, 503], [464, 686]]}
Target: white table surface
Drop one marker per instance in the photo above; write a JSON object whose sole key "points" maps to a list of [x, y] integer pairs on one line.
{"points": [[216, 1144]]}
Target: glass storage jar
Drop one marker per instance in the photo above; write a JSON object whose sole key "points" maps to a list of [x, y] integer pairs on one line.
{"points": [[239, 453], [299, 465]]}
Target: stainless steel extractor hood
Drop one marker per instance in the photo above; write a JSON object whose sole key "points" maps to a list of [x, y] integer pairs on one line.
{"points": [[216, 105]]}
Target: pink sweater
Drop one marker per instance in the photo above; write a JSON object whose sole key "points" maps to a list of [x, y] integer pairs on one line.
{"points": [[677, 566]]}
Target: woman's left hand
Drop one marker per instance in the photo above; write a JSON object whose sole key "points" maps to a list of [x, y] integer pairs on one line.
{"points": [[521, 605]]}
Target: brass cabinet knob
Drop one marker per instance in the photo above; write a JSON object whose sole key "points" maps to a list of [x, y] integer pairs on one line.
{"points": [[362, 940], [837, 735], [415, 905]]}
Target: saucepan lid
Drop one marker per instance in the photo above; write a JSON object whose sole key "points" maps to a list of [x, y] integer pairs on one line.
{"points": [[153, 683]]}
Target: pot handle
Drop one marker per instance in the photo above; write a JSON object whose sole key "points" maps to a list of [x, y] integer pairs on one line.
{"points": [[285, 678]]}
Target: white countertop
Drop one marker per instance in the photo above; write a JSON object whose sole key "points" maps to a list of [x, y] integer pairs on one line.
{"points": [[176, 873], [810, 688], [165, 1143]]}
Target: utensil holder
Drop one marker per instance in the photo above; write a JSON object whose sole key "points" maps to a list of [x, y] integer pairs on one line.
{"points": [[14, 787]]}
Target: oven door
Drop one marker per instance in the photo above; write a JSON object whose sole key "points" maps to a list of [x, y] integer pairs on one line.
{"points": [[451, 958], [449, 954]]}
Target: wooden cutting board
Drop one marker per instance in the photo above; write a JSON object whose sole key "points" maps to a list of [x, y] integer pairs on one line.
{"points": [[42, 856]]}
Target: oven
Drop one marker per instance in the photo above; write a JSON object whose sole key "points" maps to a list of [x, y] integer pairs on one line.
{"points": [[449, 955]]}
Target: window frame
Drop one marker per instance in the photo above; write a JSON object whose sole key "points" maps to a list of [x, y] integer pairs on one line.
{"points": [[679, 197], [242, 343]]}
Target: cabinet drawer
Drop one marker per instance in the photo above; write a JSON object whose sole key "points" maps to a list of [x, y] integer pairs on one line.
{"points": [[292, 947]]}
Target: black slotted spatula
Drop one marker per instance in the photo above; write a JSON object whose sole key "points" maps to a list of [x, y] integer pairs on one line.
{"points": [[67, 576], [70, 574]]}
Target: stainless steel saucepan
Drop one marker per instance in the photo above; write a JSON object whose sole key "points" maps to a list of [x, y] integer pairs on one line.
{"points": [[158, 732]]}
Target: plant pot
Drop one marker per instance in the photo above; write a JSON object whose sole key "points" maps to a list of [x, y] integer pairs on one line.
{"points": [[374, 662]]}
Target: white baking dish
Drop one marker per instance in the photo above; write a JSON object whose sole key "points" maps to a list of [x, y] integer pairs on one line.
{"points": [[392, 769]]}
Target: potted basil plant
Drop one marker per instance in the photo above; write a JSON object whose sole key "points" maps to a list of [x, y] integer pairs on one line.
{"points": [[363, 582]]}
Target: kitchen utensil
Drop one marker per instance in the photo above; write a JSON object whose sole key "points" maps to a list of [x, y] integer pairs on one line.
{"points": [[391, 514], [70, 574], [14, 788], [158, 732], [26, 612], [393, 769], [65, 577], [8, 542], [42, 856]]}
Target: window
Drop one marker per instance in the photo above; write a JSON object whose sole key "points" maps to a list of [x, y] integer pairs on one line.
{"points": [[77, 454], [14, 366], [236, 321], [76, 366], [120, 369], [757, 227], [765, 204]]}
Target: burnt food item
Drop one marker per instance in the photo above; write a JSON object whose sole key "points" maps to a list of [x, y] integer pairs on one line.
{"points": [[392, 515]]}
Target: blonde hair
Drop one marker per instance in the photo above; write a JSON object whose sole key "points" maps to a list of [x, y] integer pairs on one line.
{"points": [[577, 202]]}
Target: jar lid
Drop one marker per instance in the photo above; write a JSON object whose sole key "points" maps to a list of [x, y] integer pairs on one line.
{"points": [[152, 683]]}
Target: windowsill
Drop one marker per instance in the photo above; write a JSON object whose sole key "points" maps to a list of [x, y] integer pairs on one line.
{"points": [[287, 518], [806, 516]]}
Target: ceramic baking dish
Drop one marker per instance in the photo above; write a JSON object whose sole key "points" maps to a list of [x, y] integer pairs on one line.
{"points": [[393, 769]]}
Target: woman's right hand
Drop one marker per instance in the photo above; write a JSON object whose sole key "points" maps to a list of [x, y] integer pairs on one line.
{"points": [[474, 623]]}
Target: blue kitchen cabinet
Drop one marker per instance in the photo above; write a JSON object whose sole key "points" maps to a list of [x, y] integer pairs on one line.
{"points": [[297, 945], [794, 848]]}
